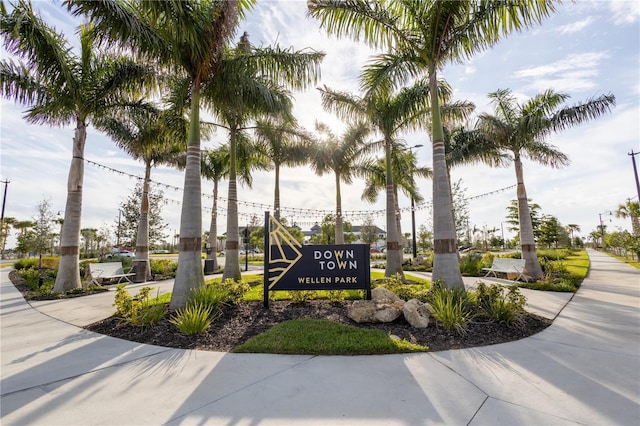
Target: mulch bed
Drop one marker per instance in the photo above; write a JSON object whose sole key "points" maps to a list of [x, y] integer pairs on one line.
{"points": [[242, 321], [239, 322]]}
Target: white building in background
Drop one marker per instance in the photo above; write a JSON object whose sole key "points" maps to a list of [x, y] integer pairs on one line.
{"points": [[379, 245]]}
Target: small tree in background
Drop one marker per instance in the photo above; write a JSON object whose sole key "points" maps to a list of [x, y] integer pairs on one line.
{"points": [[130, 209], [425, 238], [368, 233], [38, 239]]}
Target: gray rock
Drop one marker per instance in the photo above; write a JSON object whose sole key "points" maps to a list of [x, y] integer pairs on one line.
{"points": [[416, 313], [384, 306]]}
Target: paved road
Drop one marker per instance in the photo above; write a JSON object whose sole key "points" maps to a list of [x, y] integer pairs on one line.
{"points": [[584, 370]]}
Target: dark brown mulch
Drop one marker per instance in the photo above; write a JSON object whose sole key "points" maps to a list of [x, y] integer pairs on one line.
{"points": [[237, 323], [240, 322]]}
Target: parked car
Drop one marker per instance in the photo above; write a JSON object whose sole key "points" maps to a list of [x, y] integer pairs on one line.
{"points": [[122, 253]]}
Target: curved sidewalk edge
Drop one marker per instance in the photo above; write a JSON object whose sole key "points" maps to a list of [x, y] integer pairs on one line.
{"points": [[583, 369]]}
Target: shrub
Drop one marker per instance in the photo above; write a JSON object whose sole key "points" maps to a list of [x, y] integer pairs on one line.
{"points": [[505, 307], [335, 295], [25, 263], [299, 296], [209, 295], [163, 268], [235, 289], [450, 306], [193, 319], [450, 311], [137, 310], [487, 260], [470, 264]]}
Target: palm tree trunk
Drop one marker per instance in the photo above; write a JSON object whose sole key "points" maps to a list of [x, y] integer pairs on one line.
{"points": [[190, 273], [393, 264], [532, 266], [69, 268], [213, 228], [141, 266], [339, 238], [231, 261], [446, 265]]}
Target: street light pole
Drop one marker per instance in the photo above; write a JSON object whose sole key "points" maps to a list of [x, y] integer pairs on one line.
{"points": [[602, 229], [413, 212], [635, 171], [4, 200]]}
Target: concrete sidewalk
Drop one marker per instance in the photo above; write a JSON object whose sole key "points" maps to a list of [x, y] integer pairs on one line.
{"points": [[583, 369]]}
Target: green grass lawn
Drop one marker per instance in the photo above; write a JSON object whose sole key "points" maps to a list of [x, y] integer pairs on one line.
{"points": [[323, 337]]}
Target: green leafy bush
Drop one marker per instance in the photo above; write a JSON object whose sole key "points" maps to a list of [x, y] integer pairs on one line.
{"points": [[235, 289], [406, 291], [470, 264], [503, 306], [25, 263], [137, 310], [161, 268], [299, 296], [487, 260], [193, 319]]}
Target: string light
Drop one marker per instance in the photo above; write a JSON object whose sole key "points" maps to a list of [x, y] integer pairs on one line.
{"points": [[290, 212]]}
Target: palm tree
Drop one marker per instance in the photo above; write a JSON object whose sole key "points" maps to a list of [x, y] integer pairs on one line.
{"points": [[250, 84], [155, 137], [61, 88], [389, 114], [571, 228], [520, 130], [189, 37], [424, 36], [340, 156], [285, 144], [215, 167], [631, 210], [404, 170]]}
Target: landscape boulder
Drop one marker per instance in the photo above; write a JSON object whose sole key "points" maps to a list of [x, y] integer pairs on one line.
{"points": [[416, 313], [383, 307]]}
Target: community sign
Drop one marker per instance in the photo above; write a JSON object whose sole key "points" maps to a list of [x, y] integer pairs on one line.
{"points": [[290, 265]]}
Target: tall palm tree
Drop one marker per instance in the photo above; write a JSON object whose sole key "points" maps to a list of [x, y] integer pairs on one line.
{"points": [[153, 136], [339, 155], [389, 114], [520, 130], [631, 210], [422, 37], [61, 88], [215, 167], [285, 144], [188, 37], [405, 170], [252, 83]]}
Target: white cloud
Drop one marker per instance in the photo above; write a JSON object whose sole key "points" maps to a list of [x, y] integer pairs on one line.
{"points": [[575, 27], [576, 72], [625, 11]]}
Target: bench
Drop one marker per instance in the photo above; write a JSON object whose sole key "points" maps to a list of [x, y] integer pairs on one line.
{"points": [[107, 271], [507, 266]]}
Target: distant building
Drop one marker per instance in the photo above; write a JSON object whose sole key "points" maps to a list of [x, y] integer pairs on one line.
{"points": [[382, 235]]}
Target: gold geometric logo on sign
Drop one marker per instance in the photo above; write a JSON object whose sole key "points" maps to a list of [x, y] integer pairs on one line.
{"points": [[279, 237]]}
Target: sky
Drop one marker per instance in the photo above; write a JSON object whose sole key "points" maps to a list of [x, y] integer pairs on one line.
{"points": [[585, 49]]}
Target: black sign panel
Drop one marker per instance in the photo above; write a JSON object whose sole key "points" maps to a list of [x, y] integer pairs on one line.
{"points": [[290, 265], [319, 267]]}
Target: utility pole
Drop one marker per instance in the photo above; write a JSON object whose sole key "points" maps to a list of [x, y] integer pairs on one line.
{"points": [[635, 171], [413, 213], [4, 201]]}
